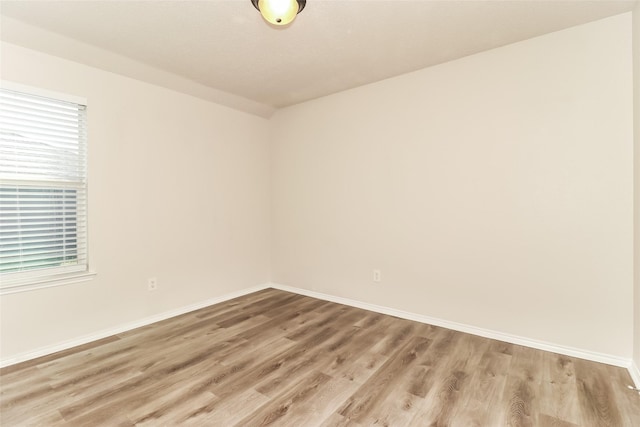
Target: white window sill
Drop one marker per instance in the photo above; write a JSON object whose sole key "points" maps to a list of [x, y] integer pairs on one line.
{"points": [[34, 283]]}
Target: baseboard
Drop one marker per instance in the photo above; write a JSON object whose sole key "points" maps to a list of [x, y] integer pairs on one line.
{"points": [[487, 333], [44, 351], [635, 374]]}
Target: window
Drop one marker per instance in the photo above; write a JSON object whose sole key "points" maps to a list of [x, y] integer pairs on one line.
{"points": [[43, 190]]}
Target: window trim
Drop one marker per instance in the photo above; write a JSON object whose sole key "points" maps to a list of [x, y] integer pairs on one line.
{"points": [[23, 281], [23, 284]]}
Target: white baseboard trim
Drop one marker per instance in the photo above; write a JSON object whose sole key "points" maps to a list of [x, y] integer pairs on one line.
{"points": [[487, 333], [635, 374], [44, 351], [541, 345]]}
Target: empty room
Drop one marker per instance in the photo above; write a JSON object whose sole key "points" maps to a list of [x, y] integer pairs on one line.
{"points": [[320, 213]]}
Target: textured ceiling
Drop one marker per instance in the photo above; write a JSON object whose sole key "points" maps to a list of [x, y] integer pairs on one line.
{"points": [[330, 47]]}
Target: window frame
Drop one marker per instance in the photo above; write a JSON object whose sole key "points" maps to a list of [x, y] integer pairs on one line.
{"points": [[27, 280]]}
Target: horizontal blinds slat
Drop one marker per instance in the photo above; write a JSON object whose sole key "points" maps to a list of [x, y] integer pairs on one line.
{"points": [[13, 131], [20, 111], [53, 179], [70, 195], [23, 159], [37, 105], [40, 253], [40, 264], [71, 239], [29, 153], [8, 199], [64, 167], [43, 119], [13, 121], [47, 182], [42, 183], [29, 236], [56, 113], [37, 186], [11, 110], [40, 191], [30, 203], [70, 134], [11, 147], [26, 221], [15, 115], [35, 141], [26, 218], [54, 194], [17, 148], [36, 251], [67, 238], [68, 253], [27, 232], [29, 266], [11, 209], [21, 136], [16, 243], [28, 208]]}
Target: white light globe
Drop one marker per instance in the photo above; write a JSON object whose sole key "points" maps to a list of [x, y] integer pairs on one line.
{"points": [[278, 12]]}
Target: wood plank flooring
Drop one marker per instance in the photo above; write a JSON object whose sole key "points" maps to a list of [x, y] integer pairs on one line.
{"points": [[276, 358]]}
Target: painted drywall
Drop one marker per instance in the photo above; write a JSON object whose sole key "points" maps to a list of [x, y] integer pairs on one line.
{"points": [[494, 191], [636, 156], [178, 190]]}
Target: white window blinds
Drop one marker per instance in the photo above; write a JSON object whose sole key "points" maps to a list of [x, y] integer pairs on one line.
{"points": [[43, 186]]}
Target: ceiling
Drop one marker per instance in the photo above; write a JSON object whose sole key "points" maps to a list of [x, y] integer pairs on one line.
{"points": [[224, 51]]}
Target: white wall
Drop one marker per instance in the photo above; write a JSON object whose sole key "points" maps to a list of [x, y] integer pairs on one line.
{"points": [[494, 191], [178, 190]]}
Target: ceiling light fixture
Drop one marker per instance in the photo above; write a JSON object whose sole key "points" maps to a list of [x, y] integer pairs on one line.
{"points": [[279, 12]]}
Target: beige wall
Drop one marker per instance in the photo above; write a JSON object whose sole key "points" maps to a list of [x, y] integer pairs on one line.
{"points": [[636, 217], [179, 190], [495, 190]]}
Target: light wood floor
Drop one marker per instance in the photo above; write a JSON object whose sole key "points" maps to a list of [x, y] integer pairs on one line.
{"points": [[276, 358]]}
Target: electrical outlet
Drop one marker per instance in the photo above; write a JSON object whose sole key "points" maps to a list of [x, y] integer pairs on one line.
{"points": [[152, 284], [376, 276]]}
